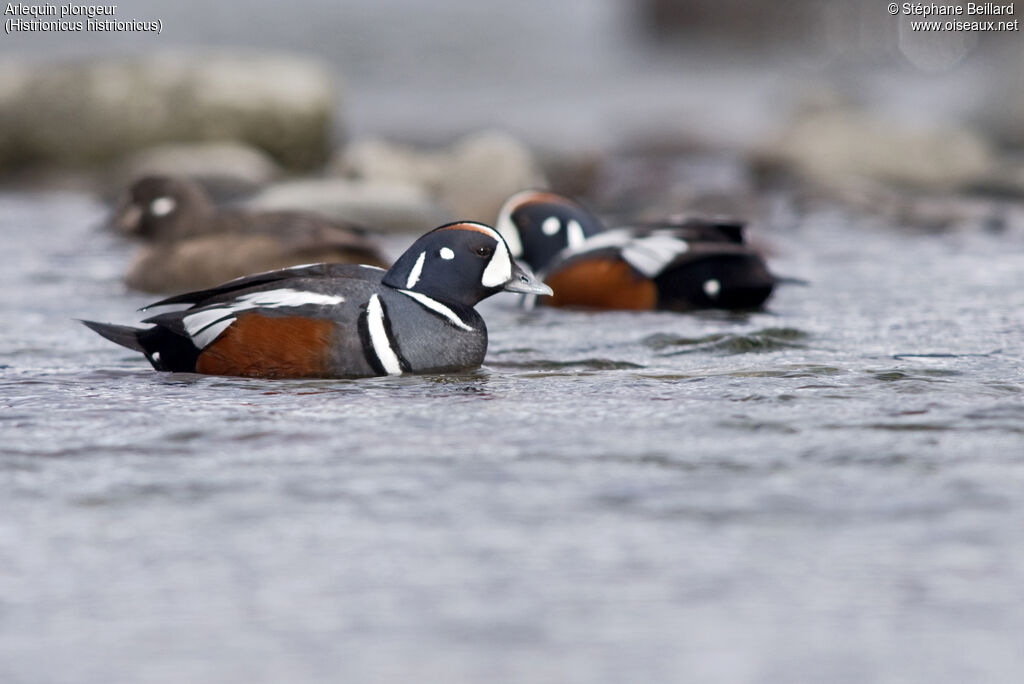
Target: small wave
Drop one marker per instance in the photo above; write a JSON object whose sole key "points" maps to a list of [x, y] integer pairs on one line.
{"points": [[586, 364], [944, 355], [757, 342]]}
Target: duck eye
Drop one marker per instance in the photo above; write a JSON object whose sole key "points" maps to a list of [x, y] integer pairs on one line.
{"points": [[484, 251]]}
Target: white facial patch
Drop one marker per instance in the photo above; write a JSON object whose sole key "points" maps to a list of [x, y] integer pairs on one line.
{"points": [[506, 227], [438, 307], [417, 269], [205, 325], [551, 225], [379, 337], [499, 268], [446, 253], [712, 288], [162, 206], [574, 236]]}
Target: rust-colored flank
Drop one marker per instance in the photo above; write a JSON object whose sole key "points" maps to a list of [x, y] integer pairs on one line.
{"points": [[602, 284], [270, 347]]}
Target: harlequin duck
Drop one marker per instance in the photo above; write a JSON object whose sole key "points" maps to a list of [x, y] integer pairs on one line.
{"points": [[193, 244], [340, 320], [678, 264]]}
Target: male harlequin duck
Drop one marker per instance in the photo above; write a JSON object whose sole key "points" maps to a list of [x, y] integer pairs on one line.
{"points": [[340, 320], [678, 264], [193, 244]]}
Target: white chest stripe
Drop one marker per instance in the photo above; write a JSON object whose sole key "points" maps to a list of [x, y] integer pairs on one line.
{"points": [[206, 325], [379, 337], [438, 307]]}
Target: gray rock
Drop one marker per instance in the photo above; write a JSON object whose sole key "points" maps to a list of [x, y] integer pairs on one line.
{"points": [[385, 207], [936, 211], [471, 179], [483, 170], [224, 169], [576, 173], [832, 147], [382, 161], [90, 112]]}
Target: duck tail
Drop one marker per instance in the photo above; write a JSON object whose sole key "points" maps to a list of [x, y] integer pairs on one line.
{"points": [[124, 335]]}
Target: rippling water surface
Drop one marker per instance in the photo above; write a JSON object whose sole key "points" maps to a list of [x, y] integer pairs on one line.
{"points": [[826, 491]]}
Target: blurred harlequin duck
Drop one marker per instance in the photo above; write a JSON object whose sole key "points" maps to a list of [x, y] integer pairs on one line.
{"points": [[340, 320], [679, 264], [194, 244]]}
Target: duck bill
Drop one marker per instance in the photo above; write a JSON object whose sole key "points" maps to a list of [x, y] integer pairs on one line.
{"points": [[524, 281], [127, 217]]}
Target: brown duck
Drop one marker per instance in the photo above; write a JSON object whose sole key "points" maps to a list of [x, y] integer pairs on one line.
{"points": [[193, 244]]}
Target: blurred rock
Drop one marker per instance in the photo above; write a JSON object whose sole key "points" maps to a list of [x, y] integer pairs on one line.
{"points": [[95, 111], [483, 170], [1003, 110], [575, 174], [381, 161], [1006, 180], [225, 169], [384, 207], [834, 147], [932, 211], [471, 179], [649, 184]]}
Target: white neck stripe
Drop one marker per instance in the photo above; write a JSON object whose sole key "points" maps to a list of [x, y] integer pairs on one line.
{"points": [[438, 307]]}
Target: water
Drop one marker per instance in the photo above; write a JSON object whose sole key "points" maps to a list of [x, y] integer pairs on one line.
{"points": [[826, 491]]}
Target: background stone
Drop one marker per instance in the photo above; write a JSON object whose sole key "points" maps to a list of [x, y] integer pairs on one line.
{"points": [[97, 110]]}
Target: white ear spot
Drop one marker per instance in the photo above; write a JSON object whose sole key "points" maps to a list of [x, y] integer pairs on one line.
{"points": [[574, 236], [499, 268], [417, 268], [551, 225], [162, 206], [446, 253], [712, 288]]}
